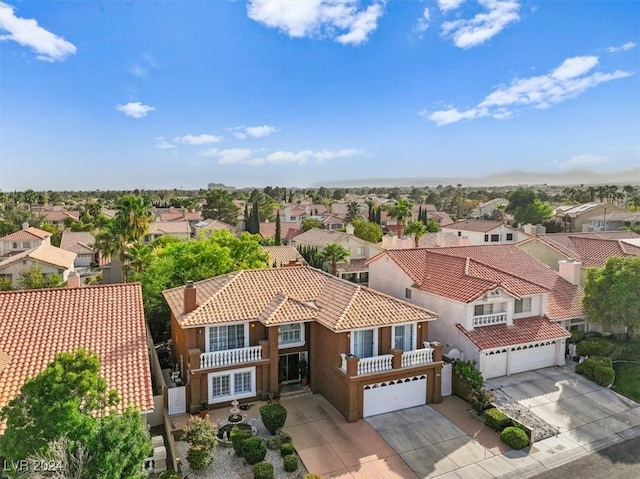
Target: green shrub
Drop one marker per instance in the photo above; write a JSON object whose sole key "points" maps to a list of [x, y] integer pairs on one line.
{"points": [[238, 437], [597, 369], [169, 475], [253, 450], [312, 475], [467, 371], [198, 458], [263, 470], [514, 437], [496, 419], [273, 416], [275, 442], [592, 334], [576, 337], [290, 463], [286, 449], [594, 347]]}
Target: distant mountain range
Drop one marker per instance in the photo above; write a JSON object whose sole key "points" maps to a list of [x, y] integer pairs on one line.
{"points": [[515, 177]]}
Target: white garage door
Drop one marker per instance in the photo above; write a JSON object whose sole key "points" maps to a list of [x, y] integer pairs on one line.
{"points": [[532, 356], [494, 363], [394, 395]]}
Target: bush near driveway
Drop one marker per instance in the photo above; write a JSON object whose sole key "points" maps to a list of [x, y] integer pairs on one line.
{"points": [[273, 416], [514, 437], [598, 369], [496, 419], [594, 347], [263, 470], [290, 463]]}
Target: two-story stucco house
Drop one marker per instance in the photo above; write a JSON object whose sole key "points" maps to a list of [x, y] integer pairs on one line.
{"points": [[497, 305], [243, 334], [480, 232], [25, 239], [49, 259]]}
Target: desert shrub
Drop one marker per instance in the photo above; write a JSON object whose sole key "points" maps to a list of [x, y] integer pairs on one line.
{"points": [[597, 369], [514, 437], [273, 416], [169, 475], [238, 437], [496, 419], [594, 347], [290, 463], [576, 336], [312, 475], [286, 449], [253, 450], [263, 470]]}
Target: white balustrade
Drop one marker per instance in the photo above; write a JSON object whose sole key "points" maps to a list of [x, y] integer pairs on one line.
{"points": [[230, 356], [375, 364], [489, 319], [419, 356], [343, 365]]}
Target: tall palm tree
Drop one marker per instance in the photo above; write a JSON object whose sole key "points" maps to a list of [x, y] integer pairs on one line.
{"points": [[401, 211], [417, 229], [133, 217], [137, 257], [353, 212], [334, 253]]}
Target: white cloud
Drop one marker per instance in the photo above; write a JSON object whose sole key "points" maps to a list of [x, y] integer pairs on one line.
{"points": [[240, 136], [585, 159], [423, 21], [245, 156], [229, 156], [448, 5], [164, 144], [345, 21], [622, 48], [467, 33], [210, 152], [568, 80], [135, 109], [202, 139], [259, 131], [28, 33]]}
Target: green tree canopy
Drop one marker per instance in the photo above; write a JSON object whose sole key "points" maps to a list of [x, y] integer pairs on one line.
{"points": [[367, 230], [333, 254], [611, 294], [353, 212], [220, 206], [309, 223], [32, 278], [417, 229], [401, 211]]}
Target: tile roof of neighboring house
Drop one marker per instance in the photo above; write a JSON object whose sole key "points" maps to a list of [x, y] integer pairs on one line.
{"points": [[441, 217], [193, 216], [28, 234], [478, 226], [58, 216], [579, 210], [169, 227], [332, 220], [525, 330], [320, 237], [107, 319], [80, 242], [250, 295], [171, 216], [353, 265], [213, 225], [288, 229], [45, 253], [283, 254]]}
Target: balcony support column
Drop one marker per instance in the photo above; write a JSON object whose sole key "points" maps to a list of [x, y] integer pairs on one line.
{"points": [[396, 362]]}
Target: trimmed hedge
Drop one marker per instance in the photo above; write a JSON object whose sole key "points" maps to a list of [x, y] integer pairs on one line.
{"points": [[576, 336], [312, 475], [273, 416], [238, 437], [594, 347], [597, 369], [496, 419], [263, 470], [286, 449], [514, 437], [169, 475], [253, 450], [290, 463]]}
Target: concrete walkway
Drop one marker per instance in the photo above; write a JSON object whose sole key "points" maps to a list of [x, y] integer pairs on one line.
{"points": [[447, 442]]}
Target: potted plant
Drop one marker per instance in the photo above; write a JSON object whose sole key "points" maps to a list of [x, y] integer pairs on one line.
{"points": [[204, 406], [274, 397], [303, 369]]}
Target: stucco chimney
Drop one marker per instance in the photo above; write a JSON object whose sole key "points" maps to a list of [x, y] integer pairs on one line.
{"points": [[25, 226], [73, 280], [189, 297], [570, 270], [349, 229]]}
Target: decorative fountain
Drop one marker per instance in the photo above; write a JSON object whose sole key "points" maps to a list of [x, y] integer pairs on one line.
{"points": [[235, 420], [235, 416]]}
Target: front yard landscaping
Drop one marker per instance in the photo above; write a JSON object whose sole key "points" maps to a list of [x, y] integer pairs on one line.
{"points": [[627, 380]]}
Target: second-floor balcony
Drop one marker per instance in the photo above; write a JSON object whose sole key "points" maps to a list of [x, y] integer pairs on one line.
{"points": [[397, 359], [230, 357], [489, 319]]}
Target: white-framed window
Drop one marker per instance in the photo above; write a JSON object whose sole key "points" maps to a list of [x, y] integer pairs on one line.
{"points": [[227, 336], [291, 335], [360, 250], [407, 293], [482, 309], [364, 343], [14, 245], [495, 238], [404, 337], [523, 305], [228, 385], [26, 244]]}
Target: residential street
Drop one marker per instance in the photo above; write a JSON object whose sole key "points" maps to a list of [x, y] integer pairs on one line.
{"points": [[620, 461]]}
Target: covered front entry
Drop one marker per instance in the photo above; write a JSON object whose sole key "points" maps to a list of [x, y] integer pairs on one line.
{"points": [[288, 371], [532, 356], [394, 395]]}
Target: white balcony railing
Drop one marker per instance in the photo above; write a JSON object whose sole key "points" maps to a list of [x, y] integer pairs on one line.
{"points": [[417, 357], [375, 364], [489, 319], [230, 356]]}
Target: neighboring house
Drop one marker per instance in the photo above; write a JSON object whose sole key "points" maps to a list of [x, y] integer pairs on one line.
{"points": [[332, 222], [614, 221], [429, 240], [585, 249], [25, 239], [108, 320], [208, 226], [176, 214], [497, 305], [578, 218], [288, 230], [243, 334], [480, 232], [49, 259], [354, 269], [57, 218], [178, 229], [489, 209], [81, 243], [284, 255]]}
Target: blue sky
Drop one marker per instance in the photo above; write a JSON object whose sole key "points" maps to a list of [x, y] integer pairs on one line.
{"points": [[174, 94]]}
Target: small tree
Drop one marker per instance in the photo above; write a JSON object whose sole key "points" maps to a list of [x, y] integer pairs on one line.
{"points": [[417, 229], [401, 211], [201, 437], [278, 238], [333, 253], [309, 223], [33, 278], [367, 230]]}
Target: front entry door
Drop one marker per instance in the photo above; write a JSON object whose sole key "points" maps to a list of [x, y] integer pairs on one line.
{"points": [[288, 368]]}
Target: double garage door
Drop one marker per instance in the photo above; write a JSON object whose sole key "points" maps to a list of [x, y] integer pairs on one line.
{"points": [[520, 358], [394, 395]]}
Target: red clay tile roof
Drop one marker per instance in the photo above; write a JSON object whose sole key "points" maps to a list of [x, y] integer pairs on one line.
{"points": [[479, 226], [29, 234], [288, 229], [283, 254], [596, 252], [525, 330], [45, 253], [250, 295], [107, 319], [565, 243], [80, 242]]}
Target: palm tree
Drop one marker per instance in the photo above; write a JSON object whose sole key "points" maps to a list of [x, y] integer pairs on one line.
{"points": [[133, 217], [402, 210], [353, 212], [334, 253], [137, 257], [417, 229]]}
